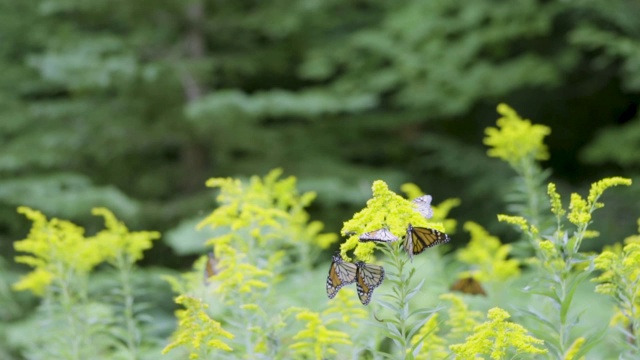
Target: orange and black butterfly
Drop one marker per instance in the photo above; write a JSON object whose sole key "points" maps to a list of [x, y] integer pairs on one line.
{"points": [[210, 268], [420, 238], [341, 273], [368, 277], [468, 285], [380, 235], [423, 206]]}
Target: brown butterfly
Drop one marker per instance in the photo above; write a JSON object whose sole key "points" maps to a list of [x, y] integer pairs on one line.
{"points": [[341, 273], [418, 239], [368, 277], [468, 285], [210, 268]]}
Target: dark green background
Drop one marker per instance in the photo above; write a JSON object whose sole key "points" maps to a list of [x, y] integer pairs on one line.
{"points": [[132, 105]]}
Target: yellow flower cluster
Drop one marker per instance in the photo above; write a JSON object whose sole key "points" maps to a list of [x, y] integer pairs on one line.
{"points": [[58, 250], [118, 244], [238, 276], [621, 272], [582, 209], [461, 320], [571, 353], [556, 202], [488, 254], [498, 338], [345, 309], [196, 330], [516, 139], [518, 221], [316, 341], [433, 346], [269, 208], [384, 209]]}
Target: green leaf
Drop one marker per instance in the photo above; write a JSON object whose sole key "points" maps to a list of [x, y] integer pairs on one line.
{"points": [[573, 286], [388, 305], [414, 291]]}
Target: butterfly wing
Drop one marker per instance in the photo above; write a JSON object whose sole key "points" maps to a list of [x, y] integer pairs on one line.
{"points": [[368, 277], [408, 242], [423, 206], [340, 274], [380, 235], [468, 285], [418, 239]]}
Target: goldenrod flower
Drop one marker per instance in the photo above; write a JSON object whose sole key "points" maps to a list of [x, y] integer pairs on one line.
{"points": [[37, 281], [621, 272], [264, 214], [515, 138], [118, 244], [433, 346], [488, 254], [498, 338], [518, 221], [581, 209], [237, 275], [345, 309], [599, 187], [316, 341], [57, 250], [196, 331], [461, 320], [580, 213], [384, 209], [574, 348], [556, 202]]}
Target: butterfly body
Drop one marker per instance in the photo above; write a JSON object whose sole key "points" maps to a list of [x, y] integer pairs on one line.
{"points": [[341, 273], [418, 239]]}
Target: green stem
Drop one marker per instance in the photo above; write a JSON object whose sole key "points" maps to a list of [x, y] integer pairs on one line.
{"points": [[124, 269], [564, 336], [528, 174], [75, 337], [398, 263]]}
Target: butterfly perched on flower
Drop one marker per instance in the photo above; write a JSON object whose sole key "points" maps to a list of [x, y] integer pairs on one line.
{"points": [[368, 277], [380, 235], [210, 268], [423, 206], [341, 273], [468, 285], [420, 238]]}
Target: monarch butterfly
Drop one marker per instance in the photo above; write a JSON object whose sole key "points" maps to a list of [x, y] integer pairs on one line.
{"points": [[381, 235], [468, 285], [423, 206], [368, 277], [210, 268], [340, 274], [420, 238]]}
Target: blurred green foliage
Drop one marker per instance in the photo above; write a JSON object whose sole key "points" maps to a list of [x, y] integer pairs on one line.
{"points": [[132, 105]]}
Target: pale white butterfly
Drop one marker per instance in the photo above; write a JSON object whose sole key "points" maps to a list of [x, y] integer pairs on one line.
{"points": [[380, 235], [423, 206]]}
